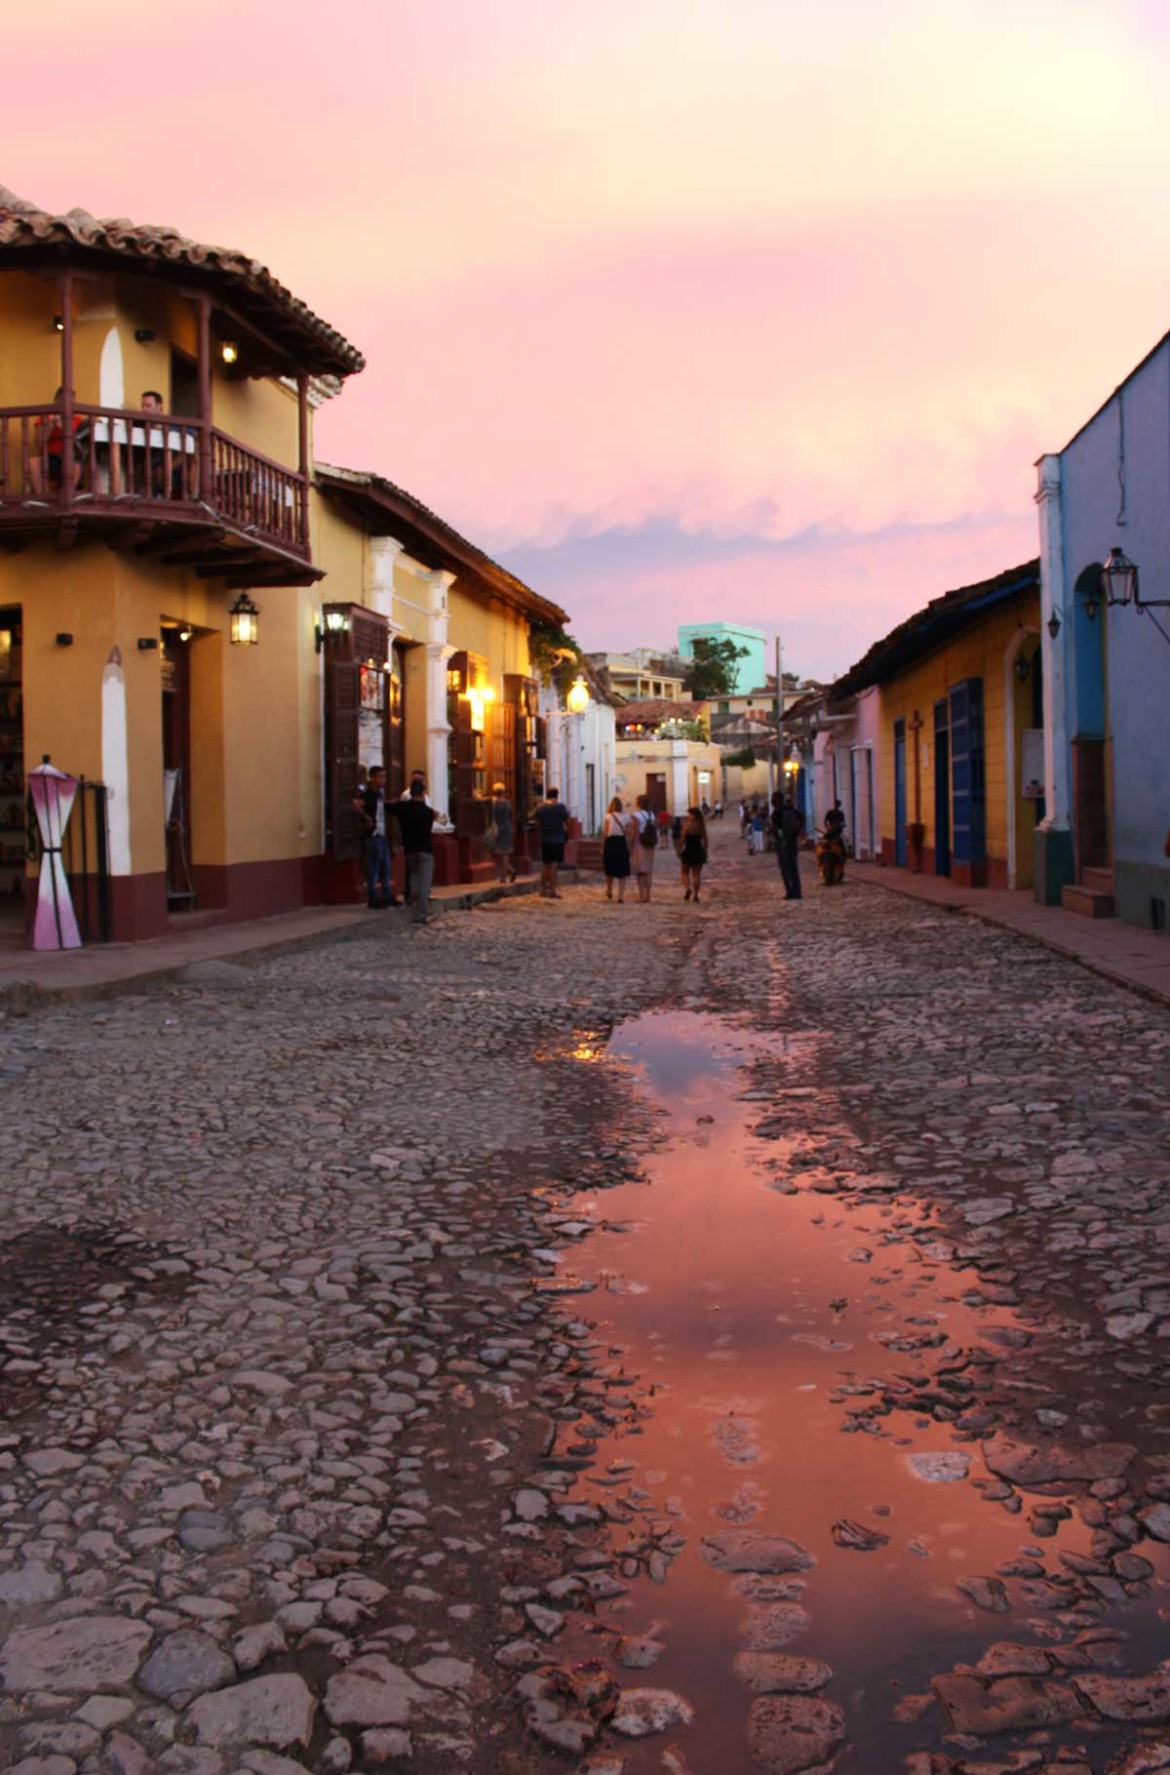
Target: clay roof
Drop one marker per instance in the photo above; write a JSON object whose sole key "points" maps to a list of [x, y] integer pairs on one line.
{"points": [[930, 627], [30, 236], [390, 510], [655, 710]]}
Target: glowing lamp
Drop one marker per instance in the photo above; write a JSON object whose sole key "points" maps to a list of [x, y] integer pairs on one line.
{"points": [[245, 622], [230, 352], [577, 700]]}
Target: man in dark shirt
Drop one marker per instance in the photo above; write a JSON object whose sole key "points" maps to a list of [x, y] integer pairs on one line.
{"points": [[415, 820], [552, 816], [371, 804]]}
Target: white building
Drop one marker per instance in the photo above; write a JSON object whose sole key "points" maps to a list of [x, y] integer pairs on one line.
{"points": [[580, 747]]}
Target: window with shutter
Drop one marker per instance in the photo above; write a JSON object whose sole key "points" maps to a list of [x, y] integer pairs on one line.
{"points": [[968, 773]]}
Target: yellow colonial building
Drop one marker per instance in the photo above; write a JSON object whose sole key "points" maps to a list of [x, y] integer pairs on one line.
{"points": [[453, 632], [212, 634], [156, 566], [960, 767]]}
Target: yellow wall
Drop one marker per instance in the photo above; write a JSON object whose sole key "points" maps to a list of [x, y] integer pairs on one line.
{"points": [[484, 626], [984, 651], [247, 790]]}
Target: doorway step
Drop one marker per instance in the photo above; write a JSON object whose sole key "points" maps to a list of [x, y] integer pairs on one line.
{"points": [[1092, 896]]}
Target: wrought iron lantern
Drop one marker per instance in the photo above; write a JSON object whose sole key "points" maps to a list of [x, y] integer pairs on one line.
{"points": [[1120, 578], [245, 622]]}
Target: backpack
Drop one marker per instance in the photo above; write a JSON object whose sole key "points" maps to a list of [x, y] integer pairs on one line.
{"points": [[649, 837]]}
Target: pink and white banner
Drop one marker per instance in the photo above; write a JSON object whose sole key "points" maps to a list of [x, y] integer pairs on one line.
{"points": [[53, 793]]}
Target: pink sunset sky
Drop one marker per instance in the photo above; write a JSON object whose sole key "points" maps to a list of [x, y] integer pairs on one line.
{"points": [[737, 309]]}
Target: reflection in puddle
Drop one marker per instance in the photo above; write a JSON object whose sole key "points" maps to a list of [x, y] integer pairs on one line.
{"points": [[767, 1320]]}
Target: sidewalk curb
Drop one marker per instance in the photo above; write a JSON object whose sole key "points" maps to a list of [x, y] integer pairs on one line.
{"points": [[1153, 994], [19, 995]]}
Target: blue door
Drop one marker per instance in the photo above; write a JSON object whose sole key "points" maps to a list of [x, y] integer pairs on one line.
{"points": [[968, 780], [900, 794], [942, 789]]}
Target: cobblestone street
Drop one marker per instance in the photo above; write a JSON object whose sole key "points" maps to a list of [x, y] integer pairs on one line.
{"points": [[647, 1339]]}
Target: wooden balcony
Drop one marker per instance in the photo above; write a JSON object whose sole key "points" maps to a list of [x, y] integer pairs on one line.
{"points": [[155, 484]]}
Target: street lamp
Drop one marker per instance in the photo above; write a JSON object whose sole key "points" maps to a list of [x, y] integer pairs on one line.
{"points": [[1120, 577], [577, 701]]}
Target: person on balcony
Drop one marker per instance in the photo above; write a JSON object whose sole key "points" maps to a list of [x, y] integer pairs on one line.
{"points": [[150, 463], [48, 461]]}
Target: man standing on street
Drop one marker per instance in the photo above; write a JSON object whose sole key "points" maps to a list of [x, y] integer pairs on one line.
{"points": [[789, 826], [372, 807], [415, 820], [552, 816]]}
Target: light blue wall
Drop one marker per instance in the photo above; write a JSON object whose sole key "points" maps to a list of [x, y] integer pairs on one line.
{"points": [[1137, 658], [752, 671]]}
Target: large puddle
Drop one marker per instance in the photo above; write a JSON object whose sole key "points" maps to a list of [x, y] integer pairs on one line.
{"points": [[747, 1308]]}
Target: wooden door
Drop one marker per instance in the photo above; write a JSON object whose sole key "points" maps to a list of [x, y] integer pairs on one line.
{"points": [[342, 703], [968, 781], [900, 853], [942, 789]]}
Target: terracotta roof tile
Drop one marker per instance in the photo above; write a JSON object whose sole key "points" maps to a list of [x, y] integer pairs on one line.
{"points": [[25, 230]]}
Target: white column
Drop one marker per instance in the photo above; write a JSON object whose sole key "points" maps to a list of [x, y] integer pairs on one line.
{"points": [[438, 585], [1055, 653], [379, 590], [116, 763], [680, 784]]}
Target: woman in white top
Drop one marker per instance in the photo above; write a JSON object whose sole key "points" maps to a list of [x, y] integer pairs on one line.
{"points": [[645, 821], [616, 849]]}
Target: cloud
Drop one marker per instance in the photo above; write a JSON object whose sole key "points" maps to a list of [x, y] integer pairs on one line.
{"points": [[827, 594]]}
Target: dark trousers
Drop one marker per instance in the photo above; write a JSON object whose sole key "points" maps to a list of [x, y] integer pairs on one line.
{"points": [[786, 856], [378, 870]]}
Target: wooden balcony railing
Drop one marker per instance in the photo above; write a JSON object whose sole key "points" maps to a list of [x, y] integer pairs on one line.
{"points": [[121, 461]]}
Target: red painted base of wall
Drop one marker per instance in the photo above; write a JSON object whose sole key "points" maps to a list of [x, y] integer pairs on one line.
{"points": [[991, 872]]}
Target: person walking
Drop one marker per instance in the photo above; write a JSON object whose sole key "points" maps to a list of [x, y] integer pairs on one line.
{"points": [[501, 834], [789, 827], [416, 822], [644, 847], [372, 805], [757, 844], [616, 849], [693, 854], [552, 816]]}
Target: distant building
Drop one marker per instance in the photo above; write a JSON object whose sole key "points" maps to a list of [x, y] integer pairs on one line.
{"points": [[642, 675], [662, 753], [751, 669]]}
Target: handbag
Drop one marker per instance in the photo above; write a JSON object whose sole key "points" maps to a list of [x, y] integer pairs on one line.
{"points": [[490, 835]]}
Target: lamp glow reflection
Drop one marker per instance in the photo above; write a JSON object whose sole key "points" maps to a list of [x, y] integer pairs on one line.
{"points": [[577, 701]]}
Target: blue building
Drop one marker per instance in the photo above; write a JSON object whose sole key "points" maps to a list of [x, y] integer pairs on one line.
{"points": [[751, 671], [1106, 640]]}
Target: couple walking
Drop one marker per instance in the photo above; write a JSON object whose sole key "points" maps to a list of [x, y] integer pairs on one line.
{"points": [[631, 840]]}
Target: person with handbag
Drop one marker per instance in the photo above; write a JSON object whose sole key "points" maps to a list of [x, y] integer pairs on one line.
{"points": [[500, 836], [615, 855]]}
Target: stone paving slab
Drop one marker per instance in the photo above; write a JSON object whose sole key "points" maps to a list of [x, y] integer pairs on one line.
{"points": [[1124, 953], [104, 968]]}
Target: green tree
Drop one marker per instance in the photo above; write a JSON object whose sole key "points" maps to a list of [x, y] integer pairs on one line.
{"points": [[712, 671]]}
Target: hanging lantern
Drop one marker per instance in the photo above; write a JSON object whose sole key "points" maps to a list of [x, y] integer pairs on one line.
{"points": [[245, 623]]}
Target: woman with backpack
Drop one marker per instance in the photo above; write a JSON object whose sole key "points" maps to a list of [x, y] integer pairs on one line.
{"points": [[693, 854], [644, 846], [615, 856]]}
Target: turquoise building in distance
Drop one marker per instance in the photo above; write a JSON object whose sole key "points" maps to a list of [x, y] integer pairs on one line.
{"points": [[752, 671]]}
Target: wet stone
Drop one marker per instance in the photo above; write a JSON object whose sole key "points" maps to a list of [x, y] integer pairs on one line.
{"points": [[275, 1710], [748, 1550], [788, 1734], [640, 1713], [774, 1673]]}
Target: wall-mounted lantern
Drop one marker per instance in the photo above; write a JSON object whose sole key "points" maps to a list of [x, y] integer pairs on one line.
{"points": [[245, 622], [1053, 624], [330, 622], [1120, 577], [1023, 667], [230, 352]]}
